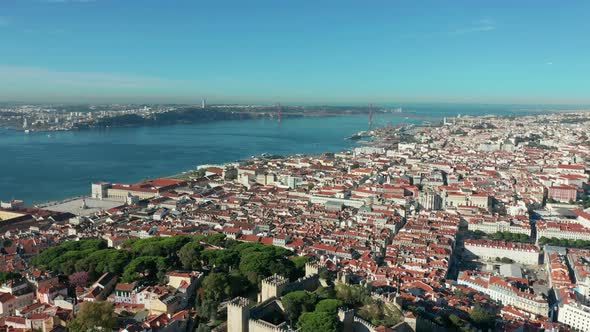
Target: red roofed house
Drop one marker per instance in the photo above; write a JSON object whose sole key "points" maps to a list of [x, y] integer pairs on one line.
{"points": [[184, 282], [47, 294], [7, 304], [563, 193]]}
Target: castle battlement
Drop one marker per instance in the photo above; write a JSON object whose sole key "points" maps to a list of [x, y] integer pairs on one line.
{"points": [[238, 313], [275, 280], [260, 325], [368, 325], [239, 302], [314, 268], [272, 286], [303, 279]]}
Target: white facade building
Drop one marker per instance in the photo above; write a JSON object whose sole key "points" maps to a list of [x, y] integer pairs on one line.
{"points": [[575, 315], [491, 226], [500, 290], [490, 250]]}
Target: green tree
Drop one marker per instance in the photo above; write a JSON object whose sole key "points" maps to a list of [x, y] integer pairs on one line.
{"points": [[318, 321], [325, 292], [215, 240], [355, 295], [148, 269], [208, 309], [5, 276], [481, 318], [295, 303], [65, 263], [373, 312], [157, 246], [92, 244], [190, 255], [101, 261], [94, 316], [239, 284], [329, 305], [497, 236], [257, 263], [299, 265], [62, 259], [218, 286], [456, 321], [224, 260]]}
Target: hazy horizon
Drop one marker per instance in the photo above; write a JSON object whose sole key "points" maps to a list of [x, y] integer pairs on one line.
{"points": [[264, 51], [197, 103]]}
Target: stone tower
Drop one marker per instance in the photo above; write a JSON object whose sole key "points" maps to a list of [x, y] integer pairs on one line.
{"points": [[343, 277], [272, 286], [238, 314], [314, 268], [346, 317]]}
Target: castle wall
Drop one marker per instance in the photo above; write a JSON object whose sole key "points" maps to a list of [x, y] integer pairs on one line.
{"points": [[262, 326], [310, 284], [277, 286], [238, 313]]}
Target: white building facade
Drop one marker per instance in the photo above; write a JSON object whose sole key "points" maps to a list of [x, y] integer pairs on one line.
{"points": [[490, 250]]}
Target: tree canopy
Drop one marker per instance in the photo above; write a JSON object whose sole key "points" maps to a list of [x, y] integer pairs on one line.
{"points": [[94, 316], [157, 246], [190, 255], [329, 305], [62, 259], [298, 302], [324, 316], [5, 276], [377, 312], [258, 261], [355, 295], [513, 237], [147, 269], [481, 318], [235, 268], [318, 321], [564, 242]]}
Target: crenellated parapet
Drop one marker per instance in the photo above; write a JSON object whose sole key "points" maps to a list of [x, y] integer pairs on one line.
{"points": [[314, 268], [238, 313], [257, 325], [272, 286]]}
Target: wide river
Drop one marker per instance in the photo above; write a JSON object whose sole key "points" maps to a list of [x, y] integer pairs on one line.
{"points": [[41, 167]]}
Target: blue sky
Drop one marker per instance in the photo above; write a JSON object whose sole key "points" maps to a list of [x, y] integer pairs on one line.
{"points": [[306, 51]]}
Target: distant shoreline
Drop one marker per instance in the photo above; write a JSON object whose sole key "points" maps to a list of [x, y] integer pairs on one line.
{"points": [[195, 116], [148, 123], [218, 159]]}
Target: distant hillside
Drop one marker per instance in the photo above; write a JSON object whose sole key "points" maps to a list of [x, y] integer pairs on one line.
{"points": [[184, 116]]}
